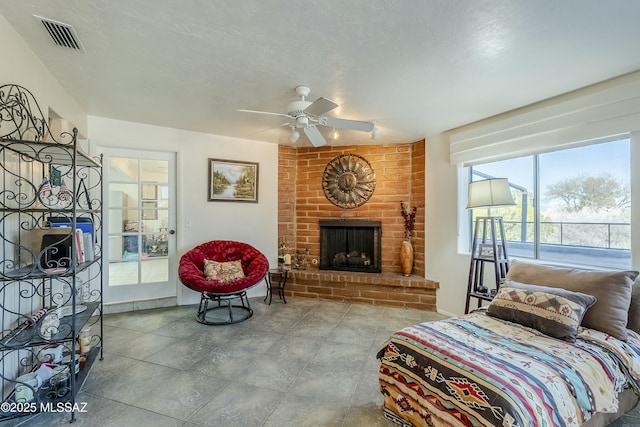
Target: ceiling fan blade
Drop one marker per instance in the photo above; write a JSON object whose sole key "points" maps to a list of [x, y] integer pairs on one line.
{"points": [[314, 135], [346, 124], [266, 112], [320, 106], [267, 129]]}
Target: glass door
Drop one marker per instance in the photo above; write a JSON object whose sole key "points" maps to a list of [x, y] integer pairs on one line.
{"points": [[140, 200]]}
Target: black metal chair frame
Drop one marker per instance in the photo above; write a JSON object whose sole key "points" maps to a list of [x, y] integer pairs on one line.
{"points": [[219, 299]]}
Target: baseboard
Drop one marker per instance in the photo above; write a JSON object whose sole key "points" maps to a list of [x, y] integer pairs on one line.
{"points": [[121, 307], [446, 313]]}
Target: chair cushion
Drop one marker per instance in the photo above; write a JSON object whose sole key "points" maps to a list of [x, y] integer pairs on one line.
{"points": [[191, 266]]}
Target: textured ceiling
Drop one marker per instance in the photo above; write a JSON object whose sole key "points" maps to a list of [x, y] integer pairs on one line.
{"points": [[416, 68]]}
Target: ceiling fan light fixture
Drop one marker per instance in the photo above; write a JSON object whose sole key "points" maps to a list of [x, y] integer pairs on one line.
{"points": [[294, 136], [374, 133]]}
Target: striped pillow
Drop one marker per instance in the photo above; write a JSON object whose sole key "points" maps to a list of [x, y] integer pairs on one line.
{"points": [[555, 312]]}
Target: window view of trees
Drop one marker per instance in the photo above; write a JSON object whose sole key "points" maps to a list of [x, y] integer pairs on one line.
{"points": [[595, 209], [594, 193], [584, 204]]}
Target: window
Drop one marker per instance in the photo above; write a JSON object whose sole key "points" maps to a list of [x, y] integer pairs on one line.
{"points": [[572, 206]]}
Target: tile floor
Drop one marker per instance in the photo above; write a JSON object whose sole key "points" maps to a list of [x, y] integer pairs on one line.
{"points": [[304, 363]]}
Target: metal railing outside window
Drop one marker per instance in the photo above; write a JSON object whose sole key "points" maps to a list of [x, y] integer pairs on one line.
{"points": [[578, 234]]}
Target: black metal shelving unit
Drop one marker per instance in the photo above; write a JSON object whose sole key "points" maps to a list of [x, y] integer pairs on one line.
{"points": [[51, 282]]}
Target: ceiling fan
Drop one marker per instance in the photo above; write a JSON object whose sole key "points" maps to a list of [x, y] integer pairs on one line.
{"points": [[307, 116]]}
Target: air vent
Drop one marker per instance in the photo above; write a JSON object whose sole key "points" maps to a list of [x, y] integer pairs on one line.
{"points": [[62, 34]]}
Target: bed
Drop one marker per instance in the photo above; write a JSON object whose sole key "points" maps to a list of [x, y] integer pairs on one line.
{"points": [[510, 365]]}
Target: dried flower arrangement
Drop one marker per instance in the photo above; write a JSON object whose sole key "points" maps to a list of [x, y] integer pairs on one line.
{"points": [[409, 219]]}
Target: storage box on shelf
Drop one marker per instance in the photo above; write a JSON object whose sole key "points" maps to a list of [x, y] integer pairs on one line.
{"points": [[51, 268]]}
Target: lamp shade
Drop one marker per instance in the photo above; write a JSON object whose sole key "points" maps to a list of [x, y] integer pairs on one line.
{"points": [[490, 193]]}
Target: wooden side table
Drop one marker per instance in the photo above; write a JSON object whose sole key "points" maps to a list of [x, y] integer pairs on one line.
{"points": [[279, 276]]}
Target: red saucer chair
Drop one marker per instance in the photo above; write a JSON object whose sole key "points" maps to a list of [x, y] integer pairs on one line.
{"points": [[223, 288]]}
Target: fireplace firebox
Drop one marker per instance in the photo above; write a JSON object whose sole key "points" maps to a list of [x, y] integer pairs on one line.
{"points": [[351, 245]]}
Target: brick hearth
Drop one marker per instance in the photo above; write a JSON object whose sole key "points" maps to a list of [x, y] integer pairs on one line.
{"points": [[385, 289]]}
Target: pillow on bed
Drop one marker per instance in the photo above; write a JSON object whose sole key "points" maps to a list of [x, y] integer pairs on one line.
{"points": [[634, 308], [553, 311], [224, 272], [612, 290]]}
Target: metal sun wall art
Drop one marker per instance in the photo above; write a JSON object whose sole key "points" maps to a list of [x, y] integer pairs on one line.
{"points": [[348, 181]]}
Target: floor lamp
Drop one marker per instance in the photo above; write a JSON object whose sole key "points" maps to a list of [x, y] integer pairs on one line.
{"points": [[488, 237]]}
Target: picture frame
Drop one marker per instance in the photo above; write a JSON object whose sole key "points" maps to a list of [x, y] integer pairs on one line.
{"points": [[232, 181], [149, 192], [149, 210]]}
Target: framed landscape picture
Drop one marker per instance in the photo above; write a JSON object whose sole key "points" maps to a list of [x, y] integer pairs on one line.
{"points": [[233, 181]]}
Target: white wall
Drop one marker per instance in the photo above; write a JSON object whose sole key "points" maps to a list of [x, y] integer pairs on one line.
{"points": [[21, 66], [253, 223], [442, 261]]}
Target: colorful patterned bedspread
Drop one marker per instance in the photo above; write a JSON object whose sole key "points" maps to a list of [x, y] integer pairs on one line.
{"points": [[477, 370]]}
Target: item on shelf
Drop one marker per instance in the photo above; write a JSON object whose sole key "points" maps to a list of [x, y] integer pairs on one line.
{"points": [[57, 270], [84, 224], [44, 372], [45, 187], [33, 319], [49, 326], [68, 310], [83, 294], [64, 193], [31, 379], [59, 382], [23, 394], [55, 251], [51, 354], [66, 360], [82, 361], [85, 340]]}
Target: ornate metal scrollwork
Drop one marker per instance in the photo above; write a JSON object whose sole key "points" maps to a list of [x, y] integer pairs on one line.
{"points": [[348, 181], [20, 115]]}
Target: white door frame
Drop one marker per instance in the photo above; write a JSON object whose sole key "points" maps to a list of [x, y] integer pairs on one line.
{"points": [[146, 291]]}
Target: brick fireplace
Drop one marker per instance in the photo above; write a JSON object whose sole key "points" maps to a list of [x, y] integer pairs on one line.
{"points": [[302, 205]]}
